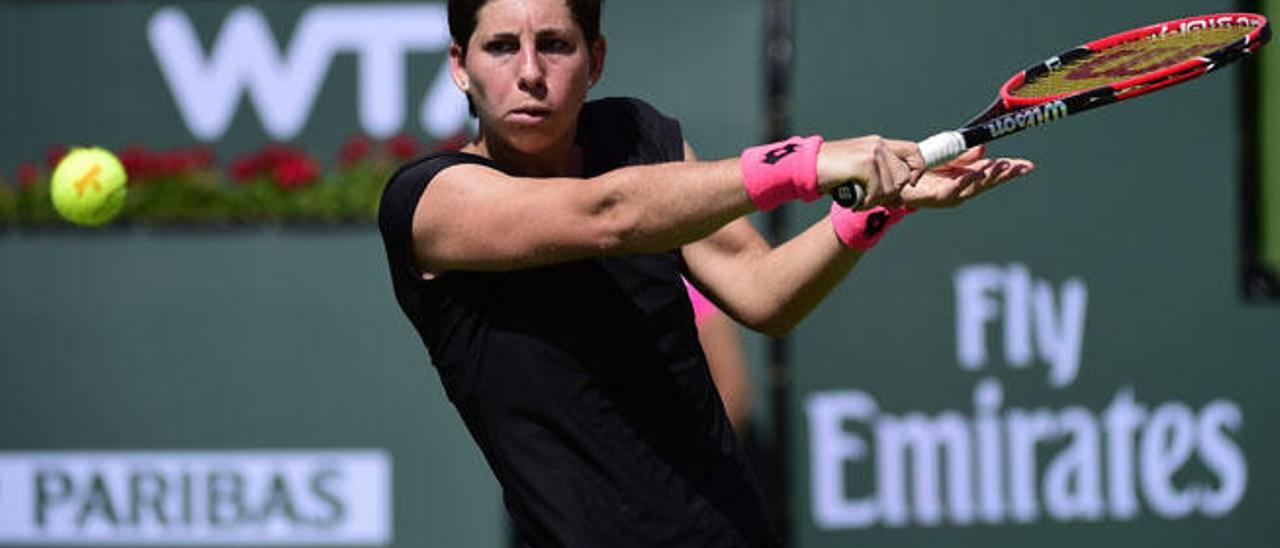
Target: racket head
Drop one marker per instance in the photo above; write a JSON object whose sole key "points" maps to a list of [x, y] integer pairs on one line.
{"points": [[1138, 61]]}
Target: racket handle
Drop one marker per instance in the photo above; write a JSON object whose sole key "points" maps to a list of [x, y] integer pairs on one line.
{"points": [[937, 150], [849, 195], [942, 148]]}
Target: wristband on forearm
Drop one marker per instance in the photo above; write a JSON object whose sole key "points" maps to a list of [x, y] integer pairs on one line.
{"points": [[862, 229], [780, 172]]}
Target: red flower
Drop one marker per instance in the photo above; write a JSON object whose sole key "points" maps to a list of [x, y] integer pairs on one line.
{"points": [[54, 154], [355, 150], [245, 168], [263, 162], [404, 147], [139, 163], [295, 173], [273, 154], [172, 164], [28, 174], [200, 157]]}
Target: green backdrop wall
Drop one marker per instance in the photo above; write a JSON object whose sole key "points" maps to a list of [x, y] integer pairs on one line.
{"points": [[972, 382], [1065, 361]]}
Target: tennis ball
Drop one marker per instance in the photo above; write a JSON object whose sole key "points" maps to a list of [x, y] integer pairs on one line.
{"points": [[88, 186]]}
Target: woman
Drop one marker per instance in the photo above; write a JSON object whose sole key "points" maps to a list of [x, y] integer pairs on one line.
{"points": [[542, 266]]}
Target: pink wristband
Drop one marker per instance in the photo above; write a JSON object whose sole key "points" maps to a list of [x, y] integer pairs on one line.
{"points": [[862, 230], [781, 172]]}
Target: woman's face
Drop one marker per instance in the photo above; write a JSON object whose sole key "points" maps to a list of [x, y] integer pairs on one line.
{"points": [[527, 69]]}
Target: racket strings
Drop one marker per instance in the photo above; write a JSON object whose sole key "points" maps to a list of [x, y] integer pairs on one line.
{"points": [[1132, 59]]}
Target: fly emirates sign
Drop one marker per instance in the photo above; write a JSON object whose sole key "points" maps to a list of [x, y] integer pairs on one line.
{"points": [[994, 462]]}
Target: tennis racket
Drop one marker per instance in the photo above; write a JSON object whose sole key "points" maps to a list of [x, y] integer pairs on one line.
{"points": [[1114, 69]]}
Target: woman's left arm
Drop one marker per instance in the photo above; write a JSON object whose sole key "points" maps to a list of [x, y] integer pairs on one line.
{"points": [[770, 289]]}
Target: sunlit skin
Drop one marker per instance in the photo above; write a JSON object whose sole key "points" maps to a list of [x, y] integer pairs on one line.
{"points": [[527, 69]]}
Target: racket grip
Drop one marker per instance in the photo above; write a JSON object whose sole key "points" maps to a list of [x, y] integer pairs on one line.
{"points": [[849, 195], [942, 148], [937, 150]]}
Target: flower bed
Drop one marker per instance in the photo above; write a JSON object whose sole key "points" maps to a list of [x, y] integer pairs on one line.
{"points": [[273, 185]]}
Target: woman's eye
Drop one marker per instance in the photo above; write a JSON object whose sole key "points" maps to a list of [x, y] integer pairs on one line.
{"points": [[556, 45], [502, 46]]}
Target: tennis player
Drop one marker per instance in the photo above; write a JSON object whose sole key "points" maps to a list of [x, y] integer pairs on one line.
{"points": [[542, 266]]}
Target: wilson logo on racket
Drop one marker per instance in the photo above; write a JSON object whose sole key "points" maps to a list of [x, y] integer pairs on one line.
{"points": [[1024, 119], [1199, 23]]}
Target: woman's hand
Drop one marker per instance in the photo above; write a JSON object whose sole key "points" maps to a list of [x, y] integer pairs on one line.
{"points": [[969, 175], [884, 167]]}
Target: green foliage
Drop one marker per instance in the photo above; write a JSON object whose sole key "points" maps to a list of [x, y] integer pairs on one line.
{"points": [[208, 199], [275, 185]]}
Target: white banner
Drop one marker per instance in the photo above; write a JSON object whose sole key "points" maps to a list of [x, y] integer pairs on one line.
{"points": [[220, 498]]}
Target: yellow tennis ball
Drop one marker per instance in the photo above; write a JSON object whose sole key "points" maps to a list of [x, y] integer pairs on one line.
{"points": [[88, 186]]}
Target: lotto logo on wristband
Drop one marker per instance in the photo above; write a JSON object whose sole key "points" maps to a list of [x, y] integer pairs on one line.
{"points": [[876, 222], [780, 172], [776, 155], [861, 230]]}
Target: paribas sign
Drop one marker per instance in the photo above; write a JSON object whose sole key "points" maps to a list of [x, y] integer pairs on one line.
{"points": [[991, 462], [282, 80], [196, 498]]}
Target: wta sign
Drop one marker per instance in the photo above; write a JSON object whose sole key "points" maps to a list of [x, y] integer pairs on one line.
{"points": [[196, 498], [282, 83]]}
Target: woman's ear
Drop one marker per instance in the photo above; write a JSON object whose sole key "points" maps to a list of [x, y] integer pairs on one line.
{"points": [[458, 67], [596, 69]]}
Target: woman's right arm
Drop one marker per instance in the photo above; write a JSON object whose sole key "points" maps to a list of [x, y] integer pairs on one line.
{"points": [[473, 217]]}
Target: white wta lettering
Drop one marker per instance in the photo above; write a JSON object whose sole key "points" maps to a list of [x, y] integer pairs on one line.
{"points": [[283, 82]]}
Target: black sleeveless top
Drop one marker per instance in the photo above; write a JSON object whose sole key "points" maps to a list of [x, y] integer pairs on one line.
{"points": [[584, 383]]}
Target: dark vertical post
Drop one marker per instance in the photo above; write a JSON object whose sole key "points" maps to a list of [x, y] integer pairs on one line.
{"points": [[779, 46], [1257, 280]]}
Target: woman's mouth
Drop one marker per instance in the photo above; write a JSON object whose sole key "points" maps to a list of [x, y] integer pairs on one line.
{"points": [[530, 115]]}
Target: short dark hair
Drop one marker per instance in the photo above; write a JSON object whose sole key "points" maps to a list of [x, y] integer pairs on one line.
{"points": [[463, 15]]}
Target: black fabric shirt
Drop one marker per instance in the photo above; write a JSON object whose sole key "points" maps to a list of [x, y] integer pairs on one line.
{"points": [[584, 383]]}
